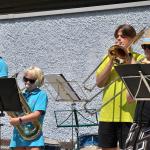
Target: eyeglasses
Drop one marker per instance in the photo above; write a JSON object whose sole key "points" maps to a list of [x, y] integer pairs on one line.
{"points": [[32, 81], [145, 46]]}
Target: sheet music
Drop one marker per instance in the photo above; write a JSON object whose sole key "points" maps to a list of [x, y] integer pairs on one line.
{"points": [[62, 87], [136, 77]]}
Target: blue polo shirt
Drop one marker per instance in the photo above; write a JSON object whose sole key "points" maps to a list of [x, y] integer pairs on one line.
{"points": [[37, 100], [3, 68]]}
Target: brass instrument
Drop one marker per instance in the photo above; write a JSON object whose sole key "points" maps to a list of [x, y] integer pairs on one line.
{"points": [[93, 111], [30, 130], [120, 55]]}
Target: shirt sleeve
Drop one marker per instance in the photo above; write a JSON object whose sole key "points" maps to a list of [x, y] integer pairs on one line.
{"points": [[138, 56], [102, 65], [3, 69], [41, 103]]}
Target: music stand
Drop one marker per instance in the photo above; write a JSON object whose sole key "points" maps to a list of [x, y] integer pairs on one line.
{"points": [[62, 87], [75, 118], [9, 97], [66, 93], [137, 79]]}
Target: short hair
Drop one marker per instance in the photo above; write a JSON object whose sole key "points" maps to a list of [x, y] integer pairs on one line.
{"points": [[126, 29], [37, 74]]}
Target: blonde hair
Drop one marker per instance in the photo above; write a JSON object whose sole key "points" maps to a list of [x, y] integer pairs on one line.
{"points": [[37, 74]]}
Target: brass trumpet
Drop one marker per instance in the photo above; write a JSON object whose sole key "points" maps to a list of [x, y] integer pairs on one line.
{"points": [[119, 54]]}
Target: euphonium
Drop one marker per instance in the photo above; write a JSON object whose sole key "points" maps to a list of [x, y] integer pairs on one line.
{"points": [[30, 130]]}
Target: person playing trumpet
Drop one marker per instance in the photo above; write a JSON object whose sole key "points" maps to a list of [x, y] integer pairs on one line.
{"points": [[139, 135], [116, 117], [37, 100]]}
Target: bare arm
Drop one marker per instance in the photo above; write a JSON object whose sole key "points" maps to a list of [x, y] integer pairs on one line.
{"points": [[27, 118], [130, 98]]}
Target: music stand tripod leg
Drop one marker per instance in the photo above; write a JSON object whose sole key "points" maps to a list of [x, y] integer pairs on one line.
{"points": [[77, 134], [76, 123], [72, 129]]}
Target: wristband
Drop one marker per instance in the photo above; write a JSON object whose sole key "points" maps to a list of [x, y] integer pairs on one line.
{"points": [[20, 120]]}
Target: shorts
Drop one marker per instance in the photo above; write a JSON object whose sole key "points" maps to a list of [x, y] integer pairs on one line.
{"points": [[113, 133], [138, 138]]}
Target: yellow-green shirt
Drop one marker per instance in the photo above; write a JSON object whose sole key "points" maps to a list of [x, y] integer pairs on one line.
{"points": [[116, 109]]}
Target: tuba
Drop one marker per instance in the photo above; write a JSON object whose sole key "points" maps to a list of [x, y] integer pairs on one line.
{"points": [[29, 130]]}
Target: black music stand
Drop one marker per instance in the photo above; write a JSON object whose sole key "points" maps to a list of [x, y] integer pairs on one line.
{"points": [[137, 79], [9, 97]]}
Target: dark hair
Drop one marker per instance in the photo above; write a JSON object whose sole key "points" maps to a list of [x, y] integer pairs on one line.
{"points": [[126, 29]]}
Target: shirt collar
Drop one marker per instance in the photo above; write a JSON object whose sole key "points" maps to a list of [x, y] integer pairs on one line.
{"points": [[34, 92]]}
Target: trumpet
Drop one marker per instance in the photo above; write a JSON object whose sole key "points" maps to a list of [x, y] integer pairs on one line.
{"points": [[119, 54]]}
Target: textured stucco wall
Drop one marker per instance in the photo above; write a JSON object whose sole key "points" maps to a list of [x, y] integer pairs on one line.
{"points": [[71, 44]]}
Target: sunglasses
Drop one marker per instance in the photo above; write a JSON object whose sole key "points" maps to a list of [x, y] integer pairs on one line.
{"points": [[145, 46], [32, 81]]}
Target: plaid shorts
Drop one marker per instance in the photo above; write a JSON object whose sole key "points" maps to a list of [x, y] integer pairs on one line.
{"points": [[138, 137]]}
